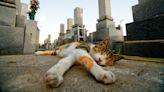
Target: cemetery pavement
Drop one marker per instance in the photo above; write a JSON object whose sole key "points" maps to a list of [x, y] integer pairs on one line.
{"points": [[25, 73]]}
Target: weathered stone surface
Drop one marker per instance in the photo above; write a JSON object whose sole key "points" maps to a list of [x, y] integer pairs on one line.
{"points": [[29, 48], [8, 14], [25, 73], [11, 40], [104, 9], [20, 21], [149, 29], [31, 28], [148, 9], [151, 48], [31, 37]]}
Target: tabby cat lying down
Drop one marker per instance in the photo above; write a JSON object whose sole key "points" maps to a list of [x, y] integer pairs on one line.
{"points": [[89, 55]]}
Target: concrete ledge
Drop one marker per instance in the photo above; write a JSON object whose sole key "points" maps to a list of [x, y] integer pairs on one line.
{"points": [[152, 49]]}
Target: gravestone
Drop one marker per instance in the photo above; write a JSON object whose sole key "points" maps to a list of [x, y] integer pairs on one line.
{"points": [[14, 36], [68, 37], [61, 35], [105, 26], [69, 24], [145, 36], [78, 27]]}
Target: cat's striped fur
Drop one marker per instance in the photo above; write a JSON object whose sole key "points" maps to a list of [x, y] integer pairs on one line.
{"points": [[89, 55]]}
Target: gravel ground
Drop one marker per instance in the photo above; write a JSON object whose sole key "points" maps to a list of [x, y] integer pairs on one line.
{"points": [[25, 73]]}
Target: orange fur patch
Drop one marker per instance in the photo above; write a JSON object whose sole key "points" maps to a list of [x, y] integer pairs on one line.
{"points": [[87, 62]]}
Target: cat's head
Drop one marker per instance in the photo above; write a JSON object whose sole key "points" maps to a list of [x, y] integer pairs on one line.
{"points": [[102, 54]]}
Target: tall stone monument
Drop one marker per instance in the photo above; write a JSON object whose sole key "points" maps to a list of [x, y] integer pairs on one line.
{"points": [[146, 34], [61, 35], [62, 28], [105, 26], [69, 33], [78, 28], [69, 24], [47, 43], [78, 16]]}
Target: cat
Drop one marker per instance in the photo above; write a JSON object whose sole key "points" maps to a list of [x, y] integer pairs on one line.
{"points": [[87, 54]]}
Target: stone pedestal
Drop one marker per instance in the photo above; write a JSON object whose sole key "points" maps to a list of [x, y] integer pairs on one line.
{"points": [[145, 36], [11, 40], [79, 33], [31, 37], [106, 28]]}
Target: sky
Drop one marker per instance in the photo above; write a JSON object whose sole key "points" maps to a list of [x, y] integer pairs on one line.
{"points": [[54, 12]]}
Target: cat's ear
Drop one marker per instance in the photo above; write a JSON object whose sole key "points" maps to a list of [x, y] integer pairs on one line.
{"points": [[103, 45], [106, 41]]}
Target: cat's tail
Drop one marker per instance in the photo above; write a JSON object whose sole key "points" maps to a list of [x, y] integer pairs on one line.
{"points": [[48, 52]]}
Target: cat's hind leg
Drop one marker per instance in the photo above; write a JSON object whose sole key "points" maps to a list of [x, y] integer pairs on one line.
{"points": [[54, 76]]}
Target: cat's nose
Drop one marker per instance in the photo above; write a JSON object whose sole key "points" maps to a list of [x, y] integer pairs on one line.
{"points": [[99, 60]]}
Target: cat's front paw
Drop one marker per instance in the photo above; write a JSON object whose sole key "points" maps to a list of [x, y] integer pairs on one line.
{"points": [[38, 53], [53, 79], [107, 77]]}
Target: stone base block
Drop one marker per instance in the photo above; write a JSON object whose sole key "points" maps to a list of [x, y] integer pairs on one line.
{"points": [[149, 29], [11, 40], [115, 35], [7, 14], [105, 24], [151, 48]]}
